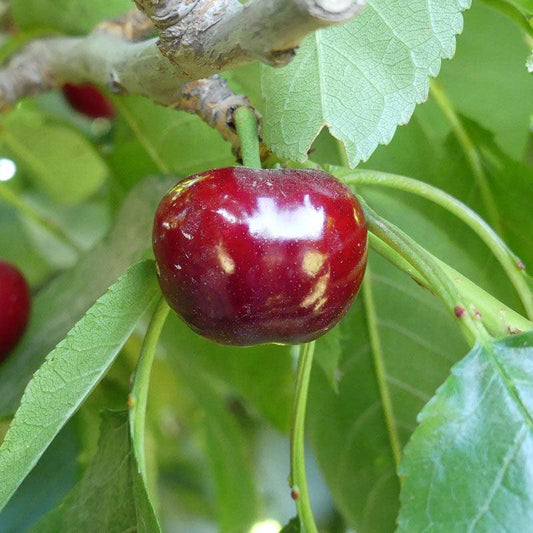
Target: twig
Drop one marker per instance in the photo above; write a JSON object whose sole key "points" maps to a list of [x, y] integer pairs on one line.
{"points": [[199, 34], [199, 38], [215, 103]]}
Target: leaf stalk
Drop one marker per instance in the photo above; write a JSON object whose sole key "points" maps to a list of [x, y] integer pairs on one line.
{"points": [[427, 265], [507, 259]]}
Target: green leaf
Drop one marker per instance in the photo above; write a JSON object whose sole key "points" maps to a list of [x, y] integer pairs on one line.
{"points": [[84, 225], [468, 466], [71, 371], [397, 341], [348, 430], [411, 153], [490, 55], [509, 183], [18, 249], [111, 496], [227, 448], [525, 5], [228, 456], [416, 151], [415, 341], [516, 10], [66, 16], [361, 79], [54, 475], [174, 140], [328, 351], [349, 437], [60, 160], [58, 306]]}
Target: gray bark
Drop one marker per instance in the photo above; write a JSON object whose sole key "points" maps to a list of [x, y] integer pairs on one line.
{"points": [[197, 38]]}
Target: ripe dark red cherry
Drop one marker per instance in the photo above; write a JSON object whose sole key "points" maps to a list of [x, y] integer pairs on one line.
{"points": [[250, 256], [88, 100], [14, 307]]}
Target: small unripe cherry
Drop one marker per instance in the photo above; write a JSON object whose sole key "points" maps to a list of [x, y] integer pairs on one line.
{"points": [[249, 256], [15, 301], [88, 100]]}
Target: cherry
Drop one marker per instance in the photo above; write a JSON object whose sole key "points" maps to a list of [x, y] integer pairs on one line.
{"points": [[249, 256], [14, 307], [88, 100]]}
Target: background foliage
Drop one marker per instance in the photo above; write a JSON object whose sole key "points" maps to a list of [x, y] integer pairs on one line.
{"points": [[219, 418]]}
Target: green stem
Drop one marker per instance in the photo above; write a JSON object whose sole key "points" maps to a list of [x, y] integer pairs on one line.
{"points": [[298, 478], [247, 130], [23, 207], [499, 319], [513, 13], [139, 393], [424, 263], [379, 367], [511, 264], [470, 151]]}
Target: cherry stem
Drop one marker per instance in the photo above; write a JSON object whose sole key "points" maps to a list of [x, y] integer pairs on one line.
{"points": [[511, 264], [298, 478], [431, 270], [248, 132], [138, 397]]}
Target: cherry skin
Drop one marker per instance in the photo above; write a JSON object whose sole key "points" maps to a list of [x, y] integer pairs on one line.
{"points": [[248, 256], [15, 302], [88, 100]]}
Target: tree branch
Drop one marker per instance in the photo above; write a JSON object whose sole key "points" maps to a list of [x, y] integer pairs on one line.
{"points": [[200, 34], [198, 38], [215, 103]]}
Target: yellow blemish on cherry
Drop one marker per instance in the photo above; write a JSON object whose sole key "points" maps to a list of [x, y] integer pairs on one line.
{"points": [[312, 262], [317, 292], [226, 262]]}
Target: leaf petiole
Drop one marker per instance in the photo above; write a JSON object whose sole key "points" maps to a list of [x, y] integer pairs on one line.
{"points": [[499, 319], [508, 260], [422, 261]]}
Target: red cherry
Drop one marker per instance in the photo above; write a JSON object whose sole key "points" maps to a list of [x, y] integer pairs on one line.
{"points": [[88, 100], [250, 256], [14, 307]]}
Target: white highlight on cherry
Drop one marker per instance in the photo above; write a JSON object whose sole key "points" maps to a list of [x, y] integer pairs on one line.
{"points": [[305, 222]]}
